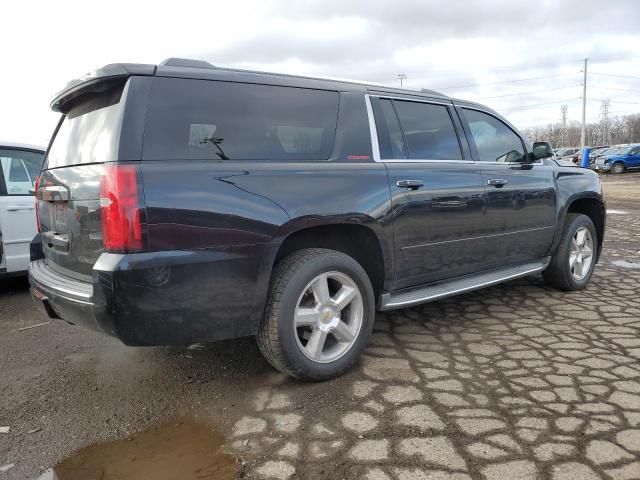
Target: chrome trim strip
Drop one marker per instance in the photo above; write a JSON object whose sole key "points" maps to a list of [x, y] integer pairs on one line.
{"points": [[21, 240], [54, 284], [418, 160], [489, 162], [478, 237], [412, 99], [375, 146], [391, 305]]}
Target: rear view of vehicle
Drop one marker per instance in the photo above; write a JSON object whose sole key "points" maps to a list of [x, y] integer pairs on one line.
{"points": [[20, 165], [88, 202]]}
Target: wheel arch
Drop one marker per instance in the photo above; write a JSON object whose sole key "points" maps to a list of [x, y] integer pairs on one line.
{"points": [[360, 241], [594, 207], [618, 162]]}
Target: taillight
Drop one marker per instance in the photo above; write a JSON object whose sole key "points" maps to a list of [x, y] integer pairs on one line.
{"points": [[120, 209], [36, 186]]}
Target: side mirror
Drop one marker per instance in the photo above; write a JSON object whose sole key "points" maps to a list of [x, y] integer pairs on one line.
{"points": [[542, 150]]}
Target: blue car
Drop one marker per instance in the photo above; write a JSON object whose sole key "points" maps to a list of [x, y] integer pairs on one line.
{"points": [[626, 158]]}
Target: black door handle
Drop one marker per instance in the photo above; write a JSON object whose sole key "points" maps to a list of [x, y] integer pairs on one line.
{"points": [[497, 182], [411, 184]]}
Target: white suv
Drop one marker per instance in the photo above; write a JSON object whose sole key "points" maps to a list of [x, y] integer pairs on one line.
{"points": [[20, 165]]}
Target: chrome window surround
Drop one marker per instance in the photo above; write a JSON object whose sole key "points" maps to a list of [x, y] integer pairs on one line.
{"points": [[374, 133], [375, 146]]}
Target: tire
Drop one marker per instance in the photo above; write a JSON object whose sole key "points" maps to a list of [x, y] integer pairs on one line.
{"points": [[296, 285], [617, 168], [559, 273]]}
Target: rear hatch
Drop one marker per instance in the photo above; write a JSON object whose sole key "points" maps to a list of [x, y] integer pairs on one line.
{"points": [[82, 152]]}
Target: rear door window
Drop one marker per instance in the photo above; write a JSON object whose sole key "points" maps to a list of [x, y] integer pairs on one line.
{"points": [[19, 171], [428, 131], [204, 119], [390, 139]]}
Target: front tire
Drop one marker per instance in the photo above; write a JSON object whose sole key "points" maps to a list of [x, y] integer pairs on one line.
{"points": [[617, 168], [572, 265], [319, 315]]}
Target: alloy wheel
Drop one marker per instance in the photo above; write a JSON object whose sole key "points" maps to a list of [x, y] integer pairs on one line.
{"points": [[581, 253], [328, 317]]}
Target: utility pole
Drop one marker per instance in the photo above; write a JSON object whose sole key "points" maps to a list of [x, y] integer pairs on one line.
{"points": [[583, 132], [605, 121], [402, 76], [563, 122]]}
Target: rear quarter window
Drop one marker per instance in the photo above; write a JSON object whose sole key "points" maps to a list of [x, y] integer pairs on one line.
{"points": [[205, 119]]}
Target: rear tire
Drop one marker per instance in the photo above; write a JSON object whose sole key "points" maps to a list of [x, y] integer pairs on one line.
{"points": [[617, 168], [319, 315], [572, 265]]}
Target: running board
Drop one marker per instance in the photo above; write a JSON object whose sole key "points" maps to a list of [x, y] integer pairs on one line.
{"points": [[414, 296]]}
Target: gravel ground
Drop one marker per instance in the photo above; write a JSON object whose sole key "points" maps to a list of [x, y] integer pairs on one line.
{"points": [[511, 382]]}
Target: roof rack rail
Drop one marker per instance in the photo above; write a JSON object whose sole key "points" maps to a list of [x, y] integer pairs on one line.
{"points": [[432, 92], [186, 62]]}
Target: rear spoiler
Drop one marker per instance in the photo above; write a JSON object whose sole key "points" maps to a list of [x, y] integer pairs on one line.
{"points": [[97, 81]]}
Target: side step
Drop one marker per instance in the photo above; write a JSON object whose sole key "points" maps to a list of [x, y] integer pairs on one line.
{"points": [[416, 295]]}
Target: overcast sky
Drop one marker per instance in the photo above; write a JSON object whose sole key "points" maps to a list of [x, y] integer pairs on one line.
{"points": [[486, 50]]}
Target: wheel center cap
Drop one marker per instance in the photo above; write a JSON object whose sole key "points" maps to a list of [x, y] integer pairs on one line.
{"points": [[327, 314], [328, 319]]}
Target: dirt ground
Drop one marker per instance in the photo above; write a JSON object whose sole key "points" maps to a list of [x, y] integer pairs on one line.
{"points": [[512, 382]]}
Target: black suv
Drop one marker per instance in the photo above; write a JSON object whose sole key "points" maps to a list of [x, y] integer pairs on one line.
{"points": [[185, 203]]}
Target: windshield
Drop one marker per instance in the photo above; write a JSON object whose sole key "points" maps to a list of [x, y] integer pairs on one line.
{"points": [[623, 150], [609, 151], [90, 131]]}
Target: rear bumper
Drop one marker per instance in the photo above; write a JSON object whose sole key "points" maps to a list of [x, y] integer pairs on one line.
{"points": [[61, 297], [159, 298]]}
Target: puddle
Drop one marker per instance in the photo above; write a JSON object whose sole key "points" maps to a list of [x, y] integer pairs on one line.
{"points": [[184, 450], [626, 264], [616, 212]]}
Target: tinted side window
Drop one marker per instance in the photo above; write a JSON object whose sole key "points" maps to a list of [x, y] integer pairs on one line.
{"points": [[19, 170], [202, 119], [428, 131], [390, 137], [494, 140]]}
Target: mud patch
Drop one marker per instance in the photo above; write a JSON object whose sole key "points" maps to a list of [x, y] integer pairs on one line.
{"points": [[183, 449]]}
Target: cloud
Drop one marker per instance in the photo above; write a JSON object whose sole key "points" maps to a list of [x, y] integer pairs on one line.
{"points": [[478, 46]]}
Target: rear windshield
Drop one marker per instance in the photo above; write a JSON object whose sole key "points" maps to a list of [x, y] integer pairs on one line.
{"points": [[203, 119], [90, 130]]}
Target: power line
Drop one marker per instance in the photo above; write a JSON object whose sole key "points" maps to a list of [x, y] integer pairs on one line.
{"points": [[614, 101], [541, 104], [613, 75], [502, 82], [443, 72], [614, 88], [626, 103], [531, 92]]}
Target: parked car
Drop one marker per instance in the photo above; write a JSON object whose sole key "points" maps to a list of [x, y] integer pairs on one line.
{"points": [[185, 203], [20, 165], [577, 157], [566, 153], [619, 160]]}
